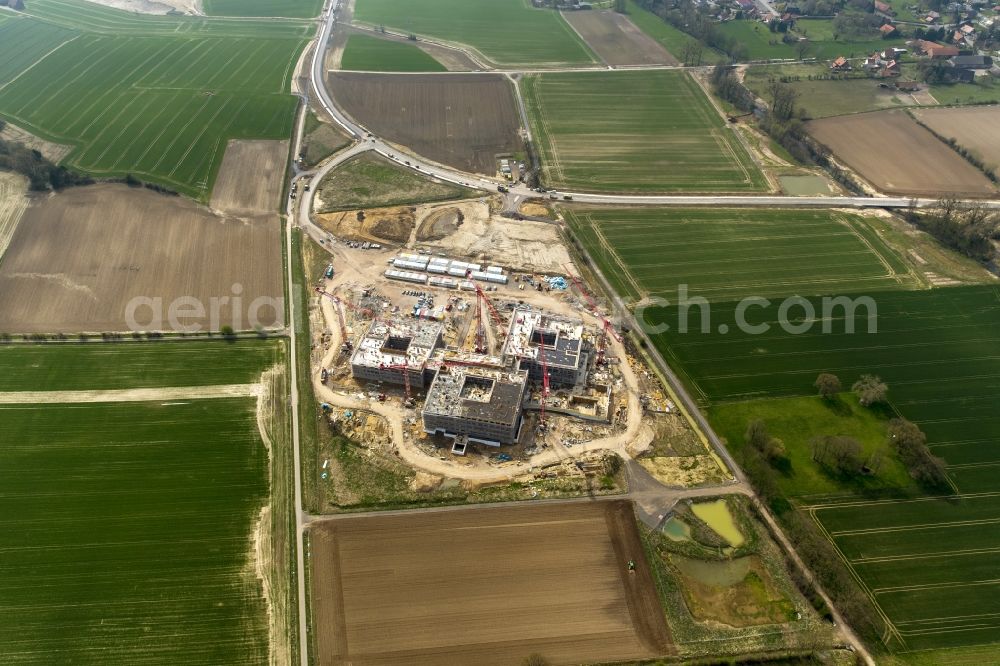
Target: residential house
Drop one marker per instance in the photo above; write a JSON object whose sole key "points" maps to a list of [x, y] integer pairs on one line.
{"points": [[889, 69], [971, 62], [887, 30], [840, 65], [883, 8]]}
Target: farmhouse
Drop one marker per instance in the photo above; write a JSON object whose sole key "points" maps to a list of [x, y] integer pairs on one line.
{"points": [[473, 403], [887, 30], [840, 65], [971, 62], [883, 8]]}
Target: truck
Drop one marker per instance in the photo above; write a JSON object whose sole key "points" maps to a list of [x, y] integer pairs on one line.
{"points": [[329, 271], [502, 188]]}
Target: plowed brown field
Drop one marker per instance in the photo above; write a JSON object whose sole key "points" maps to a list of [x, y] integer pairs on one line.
{"points": [[898, 156], [485, 586], [77, 258], [250, 177], [975, 128], [617, 40], [462, 120]]}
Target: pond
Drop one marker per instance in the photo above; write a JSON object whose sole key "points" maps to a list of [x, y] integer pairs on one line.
{"points": [[801, 186], [716, 514], [676, 529]]}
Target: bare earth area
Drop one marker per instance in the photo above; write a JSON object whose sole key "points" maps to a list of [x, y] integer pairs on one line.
{"points": [[13, 203], [154, 6], [617, 40], [975, 128], [428, 589], [79, 257], [898, 156], [468, 230], [462, 120], [53, 152], [250, 178]]}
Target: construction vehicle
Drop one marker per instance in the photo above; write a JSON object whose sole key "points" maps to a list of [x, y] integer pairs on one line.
{"points": [[323, 374], [329, 271], [735, 119]]}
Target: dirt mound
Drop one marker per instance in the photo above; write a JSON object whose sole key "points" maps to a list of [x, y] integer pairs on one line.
{"points": [[381, 225], [440, 224]]}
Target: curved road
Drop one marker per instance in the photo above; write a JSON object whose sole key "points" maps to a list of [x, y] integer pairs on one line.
{"points": [[366, 141]]}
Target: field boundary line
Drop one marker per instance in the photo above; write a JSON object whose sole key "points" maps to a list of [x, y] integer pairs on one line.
{"points": [[32, 65], [131, 395], [222, 107], [930, 498], [890, 627], [922, 556]]}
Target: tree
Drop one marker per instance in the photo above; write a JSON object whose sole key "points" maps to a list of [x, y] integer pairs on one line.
{"points": [[621, 7], [783, 98], [802, 48], [757, 435], [910, 444], [846, 453], [870, 390], [227, 331], [828, 385]]}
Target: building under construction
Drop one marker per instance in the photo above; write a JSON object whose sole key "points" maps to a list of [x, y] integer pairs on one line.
{"points": [[388, 350], [533, 333], [481, 404]]}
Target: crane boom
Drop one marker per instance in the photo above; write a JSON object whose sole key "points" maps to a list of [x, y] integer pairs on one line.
{"points": [[545, 375]]}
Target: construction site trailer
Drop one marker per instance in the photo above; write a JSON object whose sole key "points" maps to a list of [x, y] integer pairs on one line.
{"points": [[408, 265], [406, 276], [437, 268], [467, 285], [446, 283], [494, 269]]}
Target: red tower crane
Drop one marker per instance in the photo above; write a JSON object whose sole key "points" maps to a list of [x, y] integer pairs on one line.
{"points": [[545, 375], [607, 329], [405, 369]]}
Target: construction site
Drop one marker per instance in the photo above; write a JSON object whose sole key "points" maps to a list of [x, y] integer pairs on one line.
{"points": [[469, 368]]}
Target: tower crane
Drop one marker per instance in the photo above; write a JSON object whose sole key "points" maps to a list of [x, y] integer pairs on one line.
{"points": [[607, 328], [545, 376]]}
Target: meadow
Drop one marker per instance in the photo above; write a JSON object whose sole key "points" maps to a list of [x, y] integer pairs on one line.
{"points": [[127, 365], [669, 37], [156, 97], [668, 138], [279, 8], [505, 31], [126, 533], [762, 44], [371, 54], [728, 254]]}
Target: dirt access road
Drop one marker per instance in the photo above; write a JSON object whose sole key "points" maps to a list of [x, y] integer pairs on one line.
{"points": [[385, 594]]}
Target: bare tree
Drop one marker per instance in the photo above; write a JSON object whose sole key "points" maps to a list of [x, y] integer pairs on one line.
{"points": [[870, 390]]}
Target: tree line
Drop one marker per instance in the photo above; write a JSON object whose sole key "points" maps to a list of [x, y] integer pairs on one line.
{"points": [[41, 173]]}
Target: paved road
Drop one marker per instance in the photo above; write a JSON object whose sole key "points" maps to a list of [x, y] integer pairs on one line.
{"points": [[648, 496]]}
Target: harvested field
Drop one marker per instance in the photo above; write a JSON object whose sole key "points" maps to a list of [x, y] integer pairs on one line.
{"points": [[79, 257], [53, 152], [13, 202], [462, 120], [974, 128], [556, 574], [251, 177], [617, 40], [918, 162], [468, 230]]}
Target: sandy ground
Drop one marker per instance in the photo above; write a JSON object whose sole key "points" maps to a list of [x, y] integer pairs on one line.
{"points": [[13, 203], [524, 245], [80, 257], [898, 156], [154, 6], [53, 152], [557, 575], [132, 395], [250, 178]]}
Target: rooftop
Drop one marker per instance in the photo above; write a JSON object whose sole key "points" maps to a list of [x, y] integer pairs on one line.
{"points": [[401, 342], [561, 337], [481, 394]]}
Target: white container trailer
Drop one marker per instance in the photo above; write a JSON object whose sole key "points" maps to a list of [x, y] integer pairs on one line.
{"points": [[406, 276]]}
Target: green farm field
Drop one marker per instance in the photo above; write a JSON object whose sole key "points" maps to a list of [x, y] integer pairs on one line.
{"points": [[668, 138], [672, 39], [280, 8], [728, 254], [128, 365], [504, 31], [936, 350], [930, 564], [134, 97], [762, 44], [126, 533], [371, 54]]}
